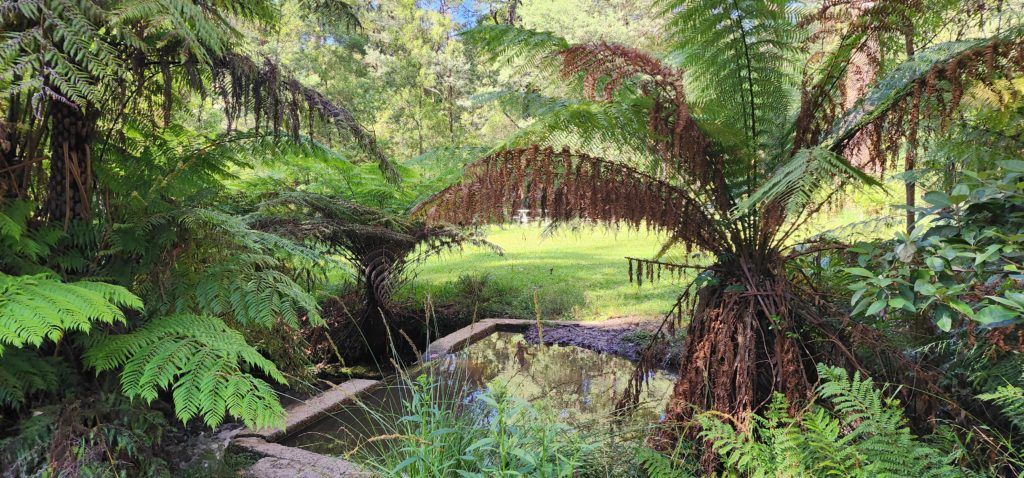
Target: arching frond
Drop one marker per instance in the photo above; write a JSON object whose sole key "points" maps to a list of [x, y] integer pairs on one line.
{"points": [[738, 60], [37, 308], [936, 70], [202, 360], [584, 124], [795, 182], [562, 185], [507, 43], [672, 130]]}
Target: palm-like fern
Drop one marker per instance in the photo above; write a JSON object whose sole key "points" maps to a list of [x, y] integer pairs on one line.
{"points": [[745, 161]]}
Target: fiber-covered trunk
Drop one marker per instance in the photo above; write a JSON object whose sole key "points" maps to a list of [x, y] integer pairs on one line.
{"points": [[742, 345], [71, 175]]}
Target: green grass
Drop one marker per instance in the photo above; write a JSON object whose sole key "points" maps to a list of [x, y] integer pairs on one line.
{"points": [[578, 274]]}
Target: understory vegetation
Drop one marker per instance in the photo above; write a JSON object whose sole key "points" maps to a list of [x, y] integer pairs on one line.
{"points": [[212, 208]]}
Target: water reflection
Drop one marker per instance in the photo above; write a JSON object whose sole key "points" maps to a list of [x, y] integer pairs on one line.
{"points": [[579, 386]]}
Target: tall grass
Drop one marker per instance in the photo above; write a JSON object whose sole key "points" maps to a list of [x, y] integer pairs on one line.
{"points": [[495, 435]]}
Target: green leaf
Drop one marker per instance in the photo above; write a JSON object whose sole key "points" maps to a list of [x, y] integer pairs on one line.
{"points": [[962, 307], [989, 252], [960, 193], [1014, 165], [943, 318], [938, 198], [876, 307], [935, 263], [994, 315], [901, 303], [859, 271], [924, 287]]}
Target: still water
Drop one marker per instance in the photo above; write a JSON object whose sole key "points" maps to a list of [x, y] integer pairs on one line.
{"points": [[574, 385]]}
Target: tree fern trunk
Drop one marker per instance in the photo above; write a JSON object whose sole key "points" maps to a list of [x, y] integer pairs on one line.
{"points": [[13, 164], [71, 176], [741, 346]]}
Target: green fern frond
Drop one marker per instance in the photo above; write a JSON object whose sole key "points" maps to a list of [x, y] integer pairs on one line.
{"points": [[581, 124], [1011, 400], [795, 182], [207, 364], [38, 308], [738, 57], [250, 289], [507, 43], [862, 434], [23, 373]]}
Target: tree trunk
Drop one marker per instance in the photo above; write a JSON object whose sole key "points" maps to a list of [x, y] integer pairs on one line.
{"points": [[911, 157], [16, 150], [740, 348], [512, 6], [70, 183]]}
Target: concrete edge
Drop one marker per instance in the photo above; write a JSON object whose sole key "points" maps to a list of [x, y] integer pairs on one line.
{"points": [[308, 411], [295, 462]]}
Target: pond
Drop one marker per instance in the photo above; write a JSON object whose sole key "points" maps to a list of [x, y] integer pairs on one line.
{"points": [[577, 386]]}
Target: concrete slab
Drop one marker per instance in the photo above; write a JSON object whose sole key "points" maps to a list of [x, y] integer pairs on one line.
{"points": [[459, 339], [305, 413], [288, 462]]}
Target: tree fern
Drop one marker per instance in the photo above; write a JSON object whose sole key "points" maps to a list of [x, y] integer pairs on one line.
{"points": [[207, 364]]}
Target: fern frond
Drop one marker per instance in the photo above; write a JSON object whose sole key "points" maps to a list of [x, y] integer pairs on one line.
{"points": [[38, 308], [956, 62], [250, 289], [564, 185], [1011, 400], [207, 364], [863, 435], [738, 57], [795, 182], [511, 44], [23, 373]]}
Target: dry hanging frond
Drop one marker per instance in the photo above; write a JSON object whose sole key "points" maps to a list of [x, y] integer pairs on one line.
{"points": [[680, 142], [273, 98], [563, 186]]}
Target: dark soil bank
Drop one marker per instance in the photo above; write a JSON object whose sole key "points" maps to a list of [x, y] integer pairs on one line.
{"points": [[626, 339]]}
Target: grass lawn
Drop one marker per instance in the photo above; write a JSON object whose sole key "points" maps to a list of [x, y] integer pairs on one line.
{"points": [[578, 274]]}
